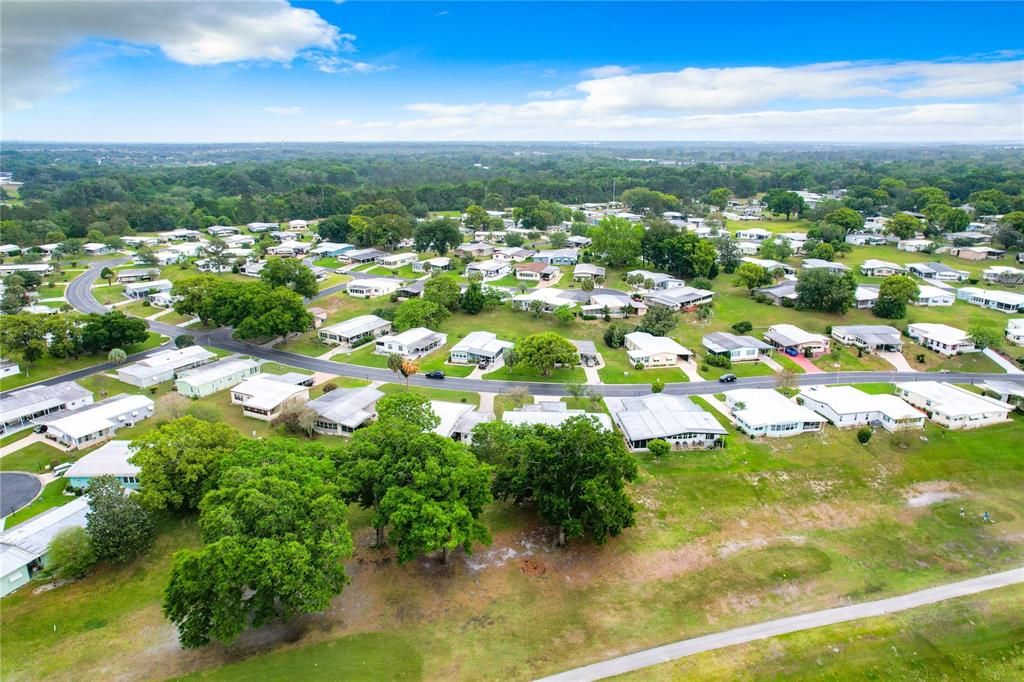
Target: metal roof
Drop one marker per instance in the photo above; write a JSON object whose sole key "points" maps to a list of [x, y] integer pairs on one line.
{"points": [[32, 538], [727, 341], [108, 459], [659, 416], [31, 400], [349, 407], [357, 326]]}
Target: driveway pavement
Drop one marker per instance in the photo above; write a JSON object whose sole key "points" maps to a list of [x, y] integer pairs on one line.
{"points": [[1001, 360], [782, 626], [809, 367], [897, 360]]}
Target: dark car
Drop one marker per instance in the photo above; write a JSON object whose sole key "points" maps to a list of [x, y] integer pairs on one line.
{"points": [[41, 428], [436, 374], [727, 378]]}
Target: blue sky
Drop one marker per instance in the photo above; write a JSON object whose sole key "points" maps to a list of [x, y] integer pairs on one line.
{"points": [[273, 70]]}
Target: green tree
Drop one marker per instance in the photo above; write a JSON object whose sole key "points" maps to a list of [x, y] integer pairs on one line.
{"points": [[704, 259], [564, 313], [119, 527], [642, 200], [574, 475], [558, 240], [544, 351], [408, 408], [112, 330], [615, 335], [720, 197], [472, 301], [438, 502], [180, 461], [894, 293], [830, 292], [70, 554], [292, 274], [215, 251], [442, 289], [116, 357], [616, 240], [108, 274], [775, 249], [824, 251], [274, 534], [903, 226], [333, 228], [658, 448], [437, 235], [658, 321], [845, 218], [419, 312], [781, 201]]}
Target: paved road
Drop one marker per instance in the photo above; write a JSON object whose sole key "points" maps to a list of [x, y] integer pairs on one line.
{"points": [[782, 626], [79, 295], [17, 490]]}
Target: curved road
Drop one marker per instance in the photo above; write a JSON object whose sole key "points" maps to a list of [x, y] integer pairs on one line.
{"points": [[79, 295], [16, 490]]}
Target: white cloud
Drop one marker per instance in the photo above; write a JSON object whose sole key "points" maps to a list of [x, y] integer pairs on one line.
{"points": [[35, 34], [283, 111], [608, 71], [335, 64]]}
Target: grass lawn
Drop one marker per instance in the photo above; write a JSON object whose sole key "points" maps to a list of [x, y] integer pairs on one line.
{"points": [[439, 360], [51, 496], [722, 539], [35, 458], [366, 357], [559, 375], [968, 362], [877, 389], [175, 318], [503, 402], [107, 294], [139, 309], [446, 214], [740, 369], [776, 226], [975, 637], [17, 435], [332, 263], [278, 368], [618, 370], [431, 393], [844, 359], [340, 382], [332, 280], [512, 282], [49, 366], [586, 404]]}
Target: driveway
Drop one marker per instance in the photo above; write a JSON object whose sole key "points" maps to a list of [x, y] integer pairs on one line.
{"points": [[783, 626], [897, 360], [1001, 360], [17, 490], [808, 366]]}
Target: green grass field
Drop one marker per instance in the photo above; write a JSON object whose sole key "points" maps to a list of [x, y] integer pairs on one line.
{"points": [[107, 294], [431, 393], [618, 370], [35, 458]]}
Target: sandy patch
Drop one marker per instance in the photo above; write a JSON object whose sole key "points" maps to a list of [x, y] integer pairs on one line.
{"points": [[928, 493]]}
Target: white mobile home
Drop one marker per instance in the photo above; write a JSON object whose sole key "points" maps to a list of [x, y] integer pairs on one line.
{"points": [[673, 419], [654, 351], [1003, 301], [736, 348], [766, 412], [954, 407], [478, 347], [870, 337], [846, 406], [412, 343], [21, 407], [343, 410], [95, 423], [218, 376], [265, 398], [356, 331], [941, 338], [372, 287], [164, 366]]}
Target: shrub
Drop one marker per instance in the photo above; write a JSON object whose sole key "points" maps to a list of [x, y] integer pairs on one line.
{"points": [[184, 341], [146, 303], [743, 327], [658, 385], [716, 360], [788, 303], [658, 447], [700, 283], [70, 554], [638, 366], [703, 367], [864, 434], [330, 386]]}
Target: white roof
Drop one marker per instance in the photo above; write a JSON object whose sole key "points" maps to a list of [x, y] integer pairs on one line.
{"points": [[487, 265], [928, 291], [953, 400], [110, 459], [266, 394], [218, 370], [410, 337], [29, 540], [346, 406], [849, 400], [166, 360], [548, 295], [872, 263], [553, 418], [357, 326], [1005, 297], [790, 334], [449, 414], [820, 263], [98, 416], [408, 255], [659, 415], [942, 333], [39, 398], [655, 344], [146, 286], [481, 343], [765, 406], [371, 282]]}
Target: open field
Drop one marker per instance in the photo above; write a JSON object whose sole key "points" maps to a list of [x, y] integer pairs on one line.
{"points": [[976, 637], [723, 538]]}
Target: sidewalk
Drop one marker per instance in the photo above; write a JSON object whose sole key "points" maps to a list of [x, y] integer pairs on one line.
{"points": [[26, 441], [1002, 362]]}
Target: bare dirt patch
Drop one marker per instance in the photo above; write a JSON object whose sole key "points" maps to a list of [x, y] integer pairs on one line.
{"points": [[928, 493]]}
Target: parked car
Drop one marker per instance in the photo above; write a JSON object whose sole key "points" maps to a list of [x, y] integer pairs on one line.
{"points": [[727, 378], [436, 374], [40, 428], [60, 469], [483, 364], [792, 352]]}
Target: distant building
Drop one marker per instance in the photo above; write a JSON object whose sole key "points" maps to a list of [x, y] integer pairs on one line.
{"points": [[535, 272], [341, 411], [219, 376], [411, 344], [941, 338], [164, 366], [938, 271], [954, 407], [1015, 331], [930, 296], [552, 414], [489, 269], [1003, 301], [567, 256], [19, 408], [679, 298], [881, 268], [372, 287]]}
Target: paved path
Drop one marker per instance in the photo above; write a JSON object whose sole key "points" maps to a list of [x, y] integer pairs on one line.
{"points": [[771, 362], [25, 442], [689, 368], [719, 406], [1000, 360], [782, 626]]}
